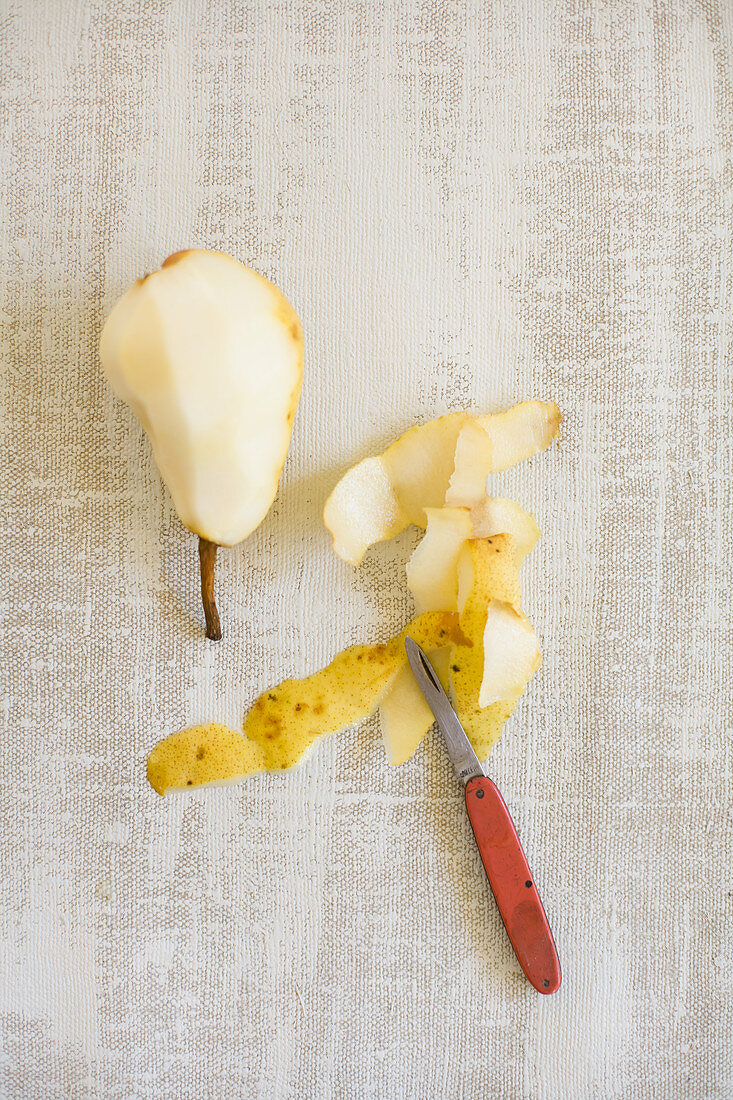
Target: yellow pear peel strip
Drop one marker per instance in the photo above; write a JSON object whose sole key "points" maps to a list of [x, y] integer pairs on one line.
{"points": [[500, 516], [487, 572], [288, 719]]}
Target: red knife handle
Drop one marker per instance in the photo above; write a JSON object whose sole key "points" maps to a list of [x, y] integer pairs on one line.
{"points": [[513, 885]]}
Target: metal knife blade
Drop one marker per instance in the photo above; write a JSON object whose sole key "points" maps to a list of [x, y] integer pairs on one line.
{"points": [[464, 759]]}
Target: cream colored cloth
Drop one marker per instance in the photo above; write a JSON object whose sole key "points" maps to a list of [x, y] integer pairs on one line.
{"points": [[468, 204]]}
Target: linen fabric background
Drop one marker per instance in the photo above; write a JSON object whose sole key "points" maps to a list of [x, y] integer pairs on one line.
{"points": [[468, 204]]}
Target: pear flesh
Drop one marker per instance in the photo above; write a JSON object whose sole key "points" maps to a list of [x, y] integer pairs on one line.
{"points": [[209, 356]]}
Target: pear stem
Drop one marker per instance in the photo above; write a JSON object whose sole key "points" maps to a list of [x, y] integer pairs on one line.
{"points": [[207, 557]]}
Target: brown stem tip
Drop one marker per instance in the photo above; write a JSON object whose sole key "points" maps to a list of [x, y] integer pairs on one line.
{"points": [[207, 557]]}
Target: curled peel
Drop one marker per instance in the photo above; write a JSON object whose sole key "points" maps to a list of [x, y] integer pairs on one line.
{"points": [[288, 719], [499, 516], [420, 464], [487, 570], [511, 654], [363, 509], [404, 715], [520, 432], [432, 571], [471, 465], [445, 461], [489, 666], [487, 573], [382, 495]]}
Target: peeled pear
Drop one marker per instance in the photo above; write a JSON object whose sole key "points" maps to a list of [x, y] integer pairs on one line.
{"points": [[209, 355], [445, 461]]}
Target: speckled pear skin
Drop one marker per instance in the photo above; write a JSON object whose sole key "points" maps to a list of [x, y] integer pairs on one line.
{"points": [[286, 721]]}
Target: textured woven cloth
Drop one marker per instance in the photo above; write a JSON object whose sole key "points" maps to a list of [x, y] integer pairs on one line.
{"points": [[468, 204]]}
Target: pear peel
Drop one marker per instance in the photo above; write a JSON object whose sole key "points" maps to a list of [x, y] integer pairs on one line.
{"points": [[471, 465], [500, 516], [444, 461], [435, 476], [487, 572], [490, 665], [520, 432], [287, 720], [404, 715], [511, 654], [209, 356], [362, 509], [432, 575], [203, 756]]}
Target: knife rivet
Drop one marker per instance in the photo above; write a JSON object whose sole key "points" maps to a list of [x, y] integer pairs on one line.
{"points": [[528, 883], [479, 794], [545, 982]]}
